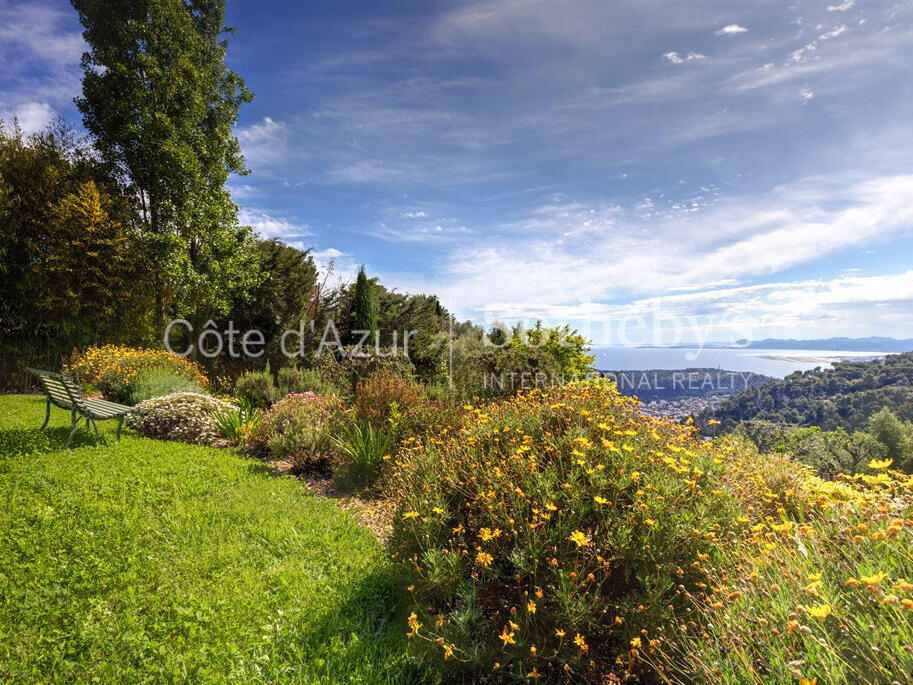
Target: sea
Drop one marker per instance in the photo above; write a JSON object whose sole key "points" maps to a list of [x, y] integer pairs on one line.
{"points": [[776, 363]]}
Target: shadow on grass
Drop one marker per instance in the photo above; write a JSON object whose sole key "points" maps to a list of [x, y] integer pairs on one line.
{"points": [[364, 639], [17, 442]]}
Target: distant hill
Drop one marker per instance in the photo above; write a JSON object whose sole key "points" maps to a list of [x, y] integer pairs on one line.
{"points": [[871, 344], [664, 384], [844, 395]]}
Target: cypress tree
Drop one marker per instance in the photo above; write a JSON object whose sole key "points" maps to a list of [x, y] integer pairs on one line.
{"points": [[364, 308]]}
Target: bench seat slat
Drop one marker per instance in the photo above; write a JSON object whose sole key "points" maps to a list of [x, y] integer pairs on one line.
{"points": [[105, 409]]}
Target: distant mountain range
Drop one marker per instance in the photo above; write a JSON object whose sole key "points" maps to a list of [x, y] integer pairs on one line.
{"points": [[872, 344]]}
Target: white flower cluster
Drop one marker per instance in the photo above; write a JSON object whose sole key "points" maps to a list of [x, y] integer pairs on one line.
{"points": [[182, 416]]}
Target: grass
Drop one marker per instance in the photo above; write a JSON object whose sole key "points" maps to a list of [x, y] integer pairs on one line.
{"points": [[147, 560]]}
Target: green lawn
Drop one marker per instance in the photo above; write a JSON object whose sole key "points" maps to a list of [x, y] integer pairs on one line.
{"points": [[147, 561]]}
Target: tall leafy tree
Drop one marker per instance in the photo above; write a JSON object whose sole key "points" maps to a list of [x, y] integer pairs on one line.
{"points": [[160, 102], [364, 307], [281, 301], [66, 269]]}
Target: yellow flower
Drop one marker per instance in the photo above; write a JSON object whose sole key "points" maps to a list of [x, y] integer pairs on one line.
{"points": [[560, 633], [600, 500], [635, 642], [533, 674], [484, 559], [873, 579], [410, 515], [784, 527], [414, 625], [507, 637], [531, 607], [551, 507], [579, 539], [821, 611], [580, 641], [879, 464]]}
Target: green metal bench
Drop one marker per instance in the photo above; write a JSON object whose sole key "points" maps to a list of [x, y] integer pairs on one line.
{"points": [[63, 392]]}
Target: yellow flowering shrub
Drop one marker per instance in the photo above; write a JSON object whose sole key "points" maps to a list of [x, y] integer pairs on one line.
{"points": [[818, 587], [111, 368], [552, 534]]}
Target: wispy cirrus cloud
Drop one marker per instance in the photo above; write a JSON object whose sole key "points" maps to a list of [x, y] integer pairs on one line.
{"points": [[263, 143], [40, 49]]}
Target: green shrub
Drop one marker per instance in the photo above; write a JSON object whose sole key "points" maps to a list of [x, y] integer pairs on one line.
{"points": [[293, 379], [360, 454], [256, 387], [441, 392], [829, 453], [498, 372], [552, 529], [157, 382], [344, 368], [375, 395], [299, 428], [183, 416]]}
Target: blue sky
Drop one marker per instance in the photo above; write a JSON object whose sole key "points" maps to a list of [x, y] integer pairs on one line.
{"points": [[643, 170]]}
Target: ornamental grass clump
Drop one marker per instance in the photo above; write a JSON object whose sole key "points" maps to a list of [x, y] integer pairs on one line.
{"points": [[554, 532], [114, 369], [182, 416]]}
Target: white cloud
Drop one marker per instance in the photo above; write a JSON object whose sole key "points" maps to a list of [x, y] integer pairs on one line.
{"points": [[849, 304], [343, 264], [32, 33], [569, 254], [242, 191], [842, 7], [263, 143], [803, 52], [676, 58], [731, 30], [270, 225], [40, 49], [806, 94], [32, 117], [414, 215]]}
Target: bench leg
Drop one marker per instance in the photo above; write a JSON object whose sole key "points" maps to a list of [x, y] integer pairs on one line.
{"points": [[120, 423], [94, 425], [74, 424], [47, 415]]}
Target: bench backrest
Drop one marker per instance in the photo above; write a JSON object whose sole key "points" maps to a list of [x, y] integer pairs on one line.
{"points": [[60, 389]]}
